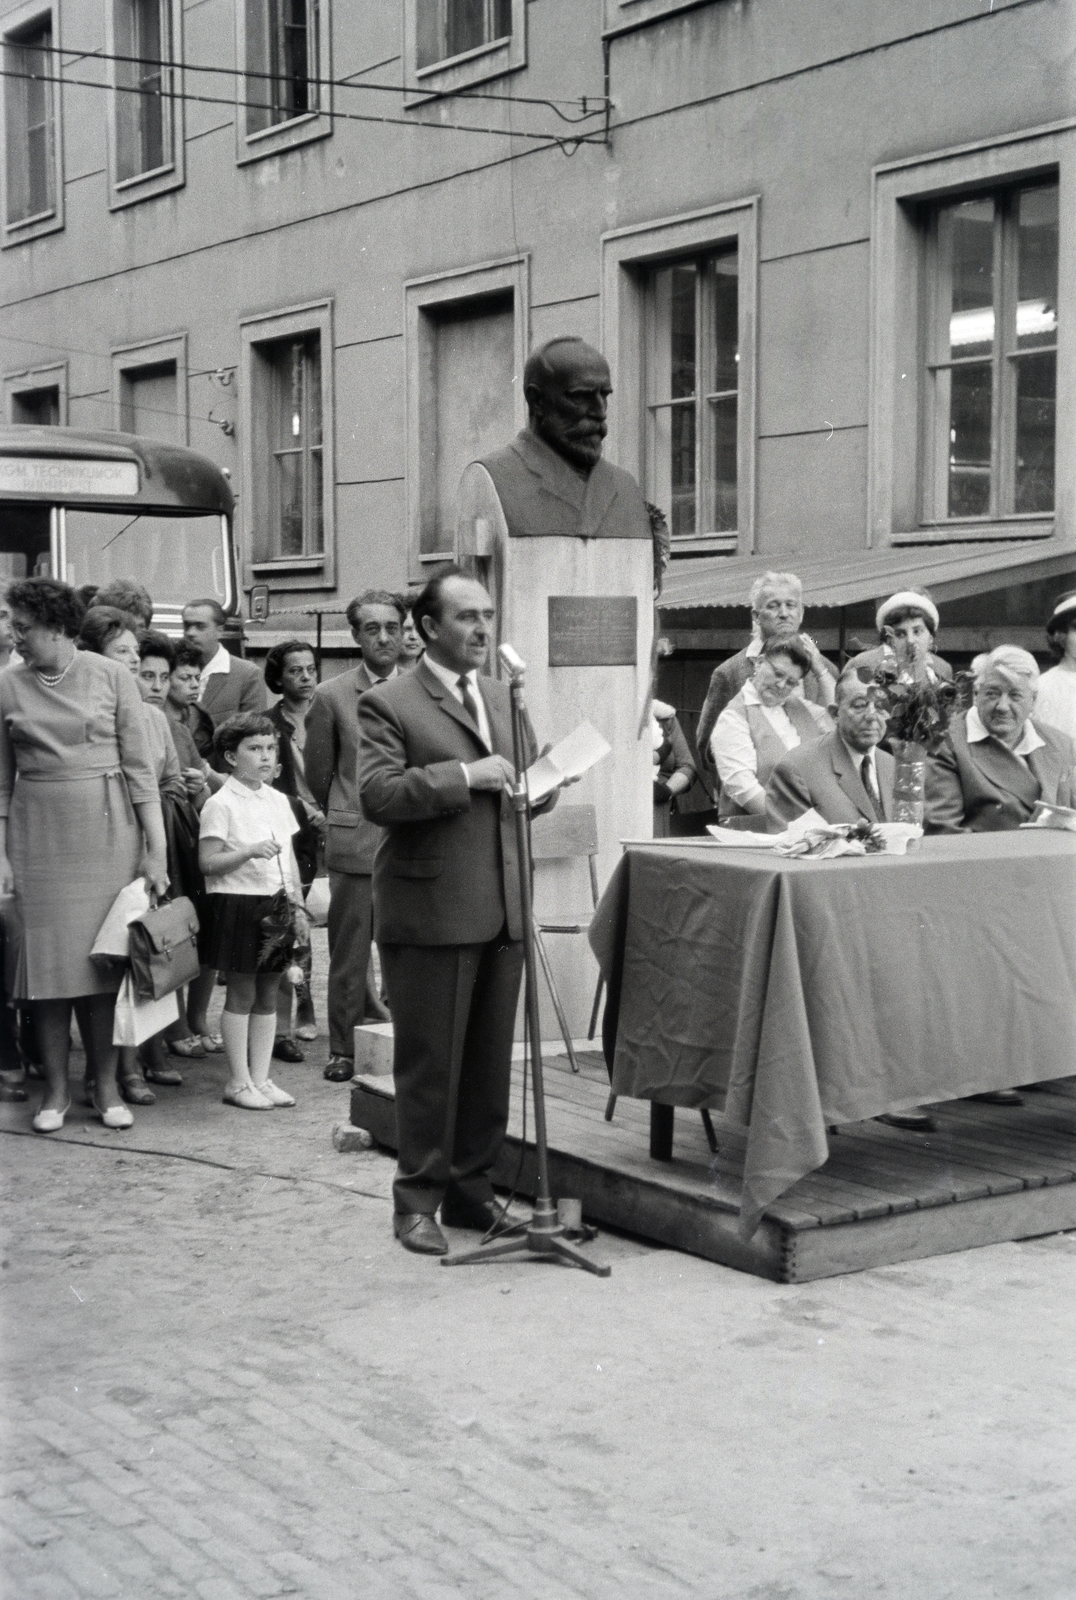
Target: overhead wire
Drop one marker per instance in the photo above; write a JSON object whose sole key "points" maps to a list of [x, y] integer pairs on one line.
{"points": [[346, 82], [550, 140]]}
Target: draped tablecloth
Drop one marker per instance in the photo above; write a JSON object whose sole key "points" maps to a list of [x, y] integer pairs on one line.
{"points": [[810, 993]]}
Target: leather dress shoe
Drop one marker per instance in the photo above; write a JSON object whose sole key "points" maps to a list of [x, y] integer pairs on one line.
{"points": [[999, 1097], [914, 1117], [285, 1049], [340, 1069], [418, 1231], [480, 1216]]}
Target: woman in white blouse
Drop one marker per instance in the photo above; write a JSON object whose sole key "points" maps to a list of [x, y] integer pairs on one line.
{"points": [[761, 724], [1056, 699]]}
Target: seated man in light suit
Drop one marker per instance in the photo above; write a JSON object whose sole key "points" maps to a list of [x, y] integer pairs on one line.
{"points": [[844, 776], [998, 760]]}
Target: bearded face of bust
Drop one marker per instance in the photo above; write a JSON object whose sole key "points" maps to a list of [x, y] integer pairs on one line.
{"points": [[568, 403]]}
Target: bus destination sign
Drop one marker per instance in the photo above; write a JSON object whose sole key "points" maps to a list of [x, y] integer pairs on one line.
{"points": [[60, 478]]}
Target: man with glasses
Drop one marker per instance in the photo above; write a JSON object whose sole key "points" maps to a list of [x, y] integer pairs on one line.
{"points": [[376, 621]]}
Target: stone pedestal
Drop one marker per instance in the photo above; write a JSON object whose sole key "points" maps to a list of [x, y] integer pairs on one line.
{"points": [[523, 576]]}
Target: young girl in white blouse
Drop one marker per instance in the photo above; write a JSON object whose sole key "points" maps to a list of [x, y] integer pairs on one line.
{"points": [[246, 854]]}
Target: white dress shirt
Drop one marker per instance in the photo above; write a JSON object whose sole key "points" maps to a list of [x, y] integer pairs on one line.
{"points": [[733, 748], [1029, 740], [451, 681], [219, 664], [856, 758]]}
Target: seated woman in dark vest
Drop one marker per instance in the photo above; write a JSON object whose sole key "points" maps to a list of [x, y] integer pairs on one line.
{"points": [[761, 724]]}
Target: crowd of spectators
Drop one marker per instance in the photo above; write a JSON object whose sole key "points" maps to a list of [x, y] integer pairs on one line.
{"points": [[128, 754]]}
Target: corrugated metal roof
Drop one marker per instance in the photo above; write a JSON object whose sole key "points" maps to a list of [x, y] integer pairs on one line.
{"points": [[948, 571]]}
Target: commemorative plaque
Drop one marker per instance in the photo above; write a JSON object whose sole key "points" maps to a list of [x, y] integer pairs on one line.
{"points": [[592, 630]]}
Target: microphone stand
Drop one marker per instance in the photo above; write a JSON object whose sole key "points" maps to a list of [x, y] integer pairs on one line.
{"points": [[544, 1235]]}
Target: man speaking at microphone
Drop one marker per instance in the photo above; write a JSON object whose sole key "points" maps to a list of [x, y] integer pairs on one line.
{"points": [[435, 772]]}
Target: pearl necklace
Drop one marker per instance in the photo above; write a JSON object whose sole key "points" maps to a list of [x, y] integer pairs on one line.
{"points": [[53, 678]]}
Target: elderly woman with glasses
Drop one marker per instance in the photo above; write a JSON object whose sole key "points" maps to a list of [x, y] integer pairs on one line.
{"points": [[998, 760], [761, 724]]}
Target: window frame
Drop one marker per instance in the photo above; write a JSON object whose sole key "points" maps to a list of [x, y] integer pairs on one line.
{"points": [[472, 67], [900, 293], [629, 257], [130, 359], [52, 220], [31, 380], [171, 174], [297, 131], [317, 571], [423, 298], [624, 16]]}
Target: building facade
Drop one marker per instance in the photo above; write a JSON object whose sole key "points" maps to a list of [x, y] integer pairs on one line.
{"points": [[829, 249]]}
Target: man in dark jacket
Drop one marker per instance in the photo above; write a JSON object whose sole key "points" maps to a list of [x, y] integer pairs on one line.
{"points": [[435, 773], [332, 746]]}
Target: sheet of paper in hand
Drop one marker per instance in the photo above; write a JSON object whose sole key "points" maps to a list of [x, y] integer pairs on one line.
{"points": [[581, 750]]}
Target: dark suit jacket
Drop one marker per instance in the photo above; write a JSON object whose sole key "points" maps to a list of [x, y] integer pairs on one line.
{"points": [[332, 770], [446, 867], [983, 788], [540, 494], [726, 681], [241, 689], [821, 775]]}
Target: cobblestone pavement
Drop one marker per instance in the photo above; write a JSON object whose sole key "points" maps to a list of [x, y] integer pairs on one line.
{"points": [[223, 1379]]}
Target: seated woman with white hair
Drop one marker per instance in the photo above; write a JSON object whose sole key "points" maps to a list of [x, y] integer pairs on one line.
{"points": [[998, 760], [907, 623]]}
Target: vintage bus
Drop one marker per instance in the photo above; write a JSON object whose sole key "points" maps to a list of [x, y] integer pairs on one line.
{"points": [[90, 507]]}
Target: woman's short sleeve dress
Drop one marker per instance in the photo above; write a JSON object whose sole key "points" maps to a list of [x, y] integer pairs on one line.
{"points": [[74, 762]]}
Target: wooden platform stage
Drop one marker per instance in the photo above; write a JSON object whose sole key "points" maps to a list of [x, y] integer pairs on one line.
{"points": [[987, 1174]]}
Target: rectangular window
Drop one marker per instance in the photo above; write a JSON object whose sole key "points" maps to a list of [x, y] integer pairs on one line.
{"points": [[30, 121], [692, 392], [448, 28], [39, 407], [990, 380], [144, 74], [296, 522], [282, 61]]}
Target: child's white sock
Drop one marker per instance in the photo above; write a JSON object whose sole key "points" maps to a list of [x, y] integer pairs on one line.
{"points": [[262, 1036], [234, 1028]]}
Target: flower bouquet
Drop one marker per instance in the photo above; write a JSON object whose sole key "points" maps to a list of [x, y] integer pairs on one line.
{"points": [[920, 708]]}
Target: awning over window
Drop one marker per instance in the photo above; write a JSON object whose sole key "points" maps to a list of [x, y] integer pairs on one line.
{"points": [[950, 572]]}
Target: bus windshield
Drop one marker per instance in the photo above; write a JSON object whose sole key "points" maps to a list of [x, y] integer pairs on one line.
{"points": [[176, 558]]}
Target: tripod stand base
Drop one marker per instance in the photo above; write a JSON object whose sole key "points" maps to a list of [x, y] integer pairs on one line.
{"points": [[544, 1237]]}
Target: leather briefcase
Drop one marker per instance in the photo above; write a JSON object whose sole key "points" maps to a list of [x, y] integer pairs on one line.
{"points": [[164, 948]]}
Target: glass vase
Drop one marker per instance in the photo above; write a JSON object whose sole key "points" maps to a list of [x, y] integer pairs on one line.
{"points": [[909, 781]]}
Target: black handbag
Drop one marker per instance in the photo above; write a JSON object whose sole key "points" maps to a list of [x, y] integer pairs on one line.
{"points": [[164, 948]]}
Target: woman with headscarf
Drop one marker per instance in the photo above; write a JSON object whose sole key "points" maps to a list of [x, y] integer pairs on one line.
{"points": [[80, 817]]}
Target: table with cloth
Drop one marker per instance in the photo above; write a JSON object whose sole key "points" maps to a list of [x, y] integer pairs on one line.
{"points": [[806, 993]]}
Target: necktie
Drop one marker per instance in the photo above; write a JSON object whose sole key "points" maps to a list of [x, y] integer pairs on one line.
{"points": [[867, 773], [470, 704]]}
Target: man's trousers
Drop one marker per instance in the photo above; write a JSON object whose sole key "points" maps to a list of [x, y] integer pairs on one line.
{"points": [[351, 926], [453, 1013]]}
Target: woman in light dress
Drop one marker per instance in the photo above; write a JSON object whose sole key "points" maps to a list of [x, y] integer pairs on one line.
{"points": [[1056, 699], [80, 817]]}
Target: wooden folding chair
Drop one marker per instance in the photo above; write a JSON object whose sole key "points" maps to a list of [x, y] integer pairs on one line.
{"points": [[565, 834]]}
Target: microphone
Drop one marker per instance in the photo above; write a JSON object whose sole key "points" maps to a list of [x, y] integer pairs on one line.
{"points": [[512, 662]]}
